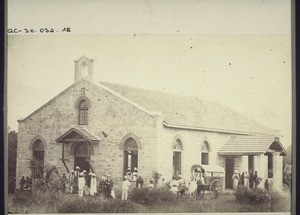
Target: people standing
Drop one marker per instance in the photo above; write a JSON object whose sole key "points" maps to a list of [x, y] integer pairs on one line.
{"points": [[182, 185], [102, 185], [174, 185], [267, 185], [125, 187], [246, 180], [109, 185], [139, 181], [135, 174], [64, 182], [255, 179], [72, 182], [81, 184], [235, 179], [93, 184], [163, 183], [251, 181]]}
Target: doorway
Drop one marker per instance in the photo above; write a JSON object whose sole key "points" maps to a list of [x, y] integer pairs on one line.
{"points": [[229, 170], [81, 157]]}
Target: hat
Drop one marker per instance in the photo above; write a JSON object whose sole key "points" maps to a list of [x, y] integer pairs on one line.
{"points": [[84, 171], [72, 171], [125, 177], [235, 171], [135, 168], [179, 176], [102, 177], [93, 174], [81, 174], [77, 167]]}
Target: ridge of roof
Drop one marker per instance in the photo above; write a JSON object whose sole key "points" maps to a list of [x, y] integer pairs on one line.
{"points": [[191, 111]]}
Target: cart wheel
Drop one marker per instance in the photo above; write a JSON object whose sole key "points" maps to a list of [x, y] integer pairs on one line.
{"points": [[216, 189]]}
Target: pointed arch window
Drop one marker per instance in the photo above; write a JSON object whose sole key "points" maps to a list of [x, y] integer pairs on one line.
{"points": [[177, 148], [38, 156], [205, 153], [130, 155], [83, 112]]}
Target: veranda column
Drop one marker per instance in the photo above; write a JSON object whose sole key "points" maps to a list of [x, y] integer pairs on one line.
{"points": [[262, 168], [277, 168], [254, 163], [244, 166]]}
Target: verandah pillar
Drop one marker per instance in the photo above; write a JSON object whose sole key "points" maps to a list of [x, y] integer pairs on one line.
{"points": [[277, 168]]}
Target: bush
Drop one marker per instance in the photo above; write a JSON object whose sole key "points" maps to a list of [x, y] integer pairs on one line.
{"points": [[280, 202], [96, 205], [147, 196], [252, 196]]}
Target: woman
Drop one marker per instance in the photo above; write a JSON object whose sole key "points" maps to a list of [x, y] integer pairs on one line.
{"points": [[246, 180], [235, 179], [93, 184], [81, 184]]}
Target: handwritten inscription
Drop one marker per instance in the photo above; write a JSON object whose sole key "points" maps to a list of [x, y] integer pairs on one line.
{"points": [[39, 31]]}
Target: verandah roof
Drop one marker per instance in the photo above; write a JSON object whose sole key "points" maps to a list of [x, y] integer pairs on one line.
{"points": [[78, 134], [251, 145]]}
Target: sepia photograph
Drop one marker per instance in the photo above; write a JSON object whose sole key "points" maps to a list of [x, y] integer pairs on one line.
{"points": [[131, 122]]}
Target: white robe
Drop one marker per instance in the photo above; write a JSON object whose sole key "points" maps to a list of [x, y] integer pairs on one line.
{"points": [[93, 186]]}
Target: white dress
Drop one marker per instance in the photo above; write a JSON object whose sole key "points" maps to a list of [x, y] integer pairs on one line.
{"points": [[93, 186]]}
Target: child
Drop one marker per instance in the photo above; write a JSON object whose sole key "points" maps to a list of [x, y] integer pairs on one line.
{"points": [[125, 188], [151, 185]]}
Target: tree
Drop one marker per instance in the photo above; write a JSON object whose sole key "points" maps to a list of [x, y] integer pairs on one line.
{"points": [[288, 157], [12, 159]]}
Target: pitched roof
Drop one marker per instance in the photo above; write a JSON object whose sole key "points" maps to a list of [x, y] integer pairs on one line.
{"points": [[190, 111], [85, 134], [250, 145]]}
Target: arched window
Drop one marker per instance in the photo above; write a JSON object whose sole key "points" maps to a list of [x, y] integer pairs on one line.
{"points": [[130, 154], [83, 112], [177, 148], [205, 153], [38, 156]]}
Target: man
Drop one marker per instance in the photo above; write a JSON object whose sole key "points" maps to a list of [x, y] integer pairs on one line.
{"points": [[109, 185], [139, 181], [22, 182], [64, 181], [102, 185], [182, 185], [125, 187]]}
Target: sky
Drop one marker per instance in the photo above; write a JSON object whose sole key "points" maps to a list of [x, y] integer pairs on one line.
{"points": [[249, 73], [236, 52]]}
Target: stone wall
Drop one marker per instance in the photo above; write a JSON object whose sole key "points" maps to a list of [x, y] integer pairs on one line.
{"points": [[107, 113]]}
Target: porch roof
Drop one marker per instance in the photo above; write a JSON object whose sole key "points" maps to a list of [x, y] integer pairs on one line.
{"points": [[78, 134], [251, 145]]}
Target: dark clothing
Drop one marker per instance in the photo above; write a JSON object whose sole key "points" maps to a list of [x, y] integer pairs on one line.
{"points": [[139, 182], [88, 180], [255, 180], [22, 182], [109, 185], [102, 186], [251, 180]]}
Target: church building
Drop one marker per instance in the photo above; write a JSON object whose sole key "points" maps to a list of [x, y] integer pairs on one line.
{"points": [[105, 128]]}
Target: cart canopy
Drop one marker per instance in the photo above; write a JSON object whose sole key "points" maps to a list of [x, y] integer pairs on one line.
{"points": [[208, 169]]}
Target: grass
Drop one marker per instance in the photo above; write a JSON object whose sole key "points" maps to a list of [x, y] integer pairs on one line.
{"points": [[47, 202]]}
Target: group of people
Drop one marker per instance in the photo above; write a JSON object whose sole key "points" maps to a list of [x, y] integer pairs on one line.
{"points": [[26, 183], [83, 183], [247, 180]]}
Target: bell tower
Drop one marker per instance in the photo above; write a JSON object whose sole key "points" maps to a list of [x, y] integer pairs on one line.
{"points": [[83, 69]]}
